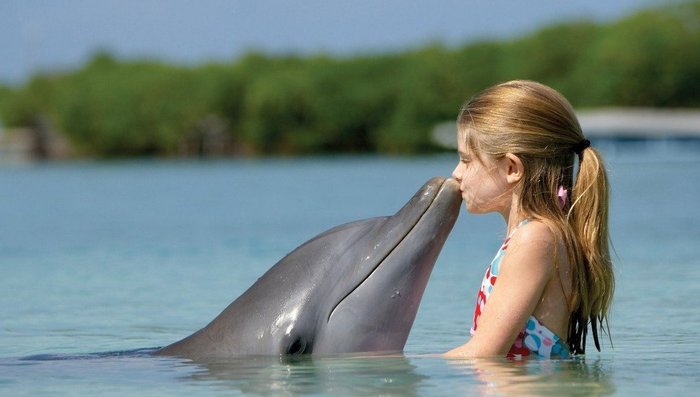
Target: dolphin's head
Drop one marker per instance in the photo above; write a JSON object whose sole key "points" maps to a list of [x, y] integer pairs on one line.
{"points": [[376, 271], [353, 288]]}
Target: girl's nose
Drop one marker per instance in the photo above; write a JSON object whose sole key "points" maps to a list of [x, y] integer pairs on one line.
{"points": [[457, 174]]}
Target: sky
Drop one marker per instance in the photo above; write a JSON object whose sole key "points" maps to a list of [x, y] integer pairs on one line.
{"points": [[48, 35]]}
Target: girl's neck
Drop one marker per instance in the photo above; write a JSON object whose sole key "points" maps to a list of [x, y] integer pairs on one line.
{"points": [[513, 216]]}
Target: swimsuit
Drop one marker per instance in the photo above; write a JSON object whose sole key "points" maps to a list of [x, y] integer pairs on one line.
{"points": [[535, 338]]}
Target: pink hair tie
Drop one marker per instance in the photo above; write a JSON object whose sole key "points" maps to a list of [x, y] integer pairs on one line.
{"points": [[562, 196]]}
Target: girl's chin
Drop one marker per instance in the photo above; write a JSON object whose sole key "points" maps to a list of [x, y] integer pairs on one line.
{"points": [[474, 210], [471, 209]]}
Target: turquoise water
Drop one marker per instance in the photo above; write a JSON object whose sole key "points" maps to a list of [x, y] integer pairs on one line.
{"points": [[115, 257]]}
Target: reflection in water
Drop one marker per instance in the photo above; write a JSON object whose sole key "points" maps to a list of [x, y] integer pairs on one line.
{"points": [[534, 377], [384, 375], [401, 376], [346, 375]]}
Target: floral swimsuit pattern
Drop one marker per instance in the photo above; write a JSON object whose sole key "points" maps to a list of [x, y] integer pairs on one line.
{"points": [[535, 338]]}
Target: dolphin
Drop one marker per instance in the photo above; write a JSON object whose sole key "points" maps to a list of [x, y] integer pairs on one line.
{"points": [[354, 288]]}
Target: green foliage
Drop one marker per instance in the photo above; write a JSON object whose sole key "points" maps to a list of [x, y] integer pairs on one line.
{"points": [[20, 107], [649, 59], [551, 54], [116, 109], [381, 103], [7, 98]]}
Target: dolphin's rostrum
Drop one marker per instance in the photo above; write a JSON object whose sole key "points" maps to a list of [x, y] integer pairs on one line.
{"points": [[354, 288]]}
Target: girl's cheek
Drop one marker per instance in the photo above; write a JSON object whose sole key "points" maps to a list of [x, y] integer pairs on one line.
{"points": [[466, 178]]}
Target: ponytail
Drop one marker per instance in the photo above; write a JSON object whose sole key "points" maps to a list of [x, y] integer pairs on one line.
{"points": [[593, 281]]}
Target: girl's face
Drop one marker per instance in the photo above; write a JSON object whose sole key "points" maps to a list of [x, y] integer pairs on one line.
{"points": [[483, 183]]}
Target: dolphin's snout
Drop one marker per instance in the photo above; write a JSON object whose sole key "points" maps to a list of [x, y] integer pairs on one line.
{"points": [[449, 191], [451, 185]]}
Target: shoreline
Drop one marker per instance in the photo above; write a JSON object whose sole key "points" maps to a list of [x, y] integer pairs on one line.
{"points": [[653, 124]]}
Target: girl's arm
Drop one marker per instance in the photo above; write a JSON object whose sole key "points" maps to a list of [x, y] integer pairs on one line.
{"points": [[524, 272]]}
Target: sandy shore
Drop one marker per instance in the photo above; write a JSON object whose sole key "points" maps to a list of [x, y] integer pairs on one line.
{"points": [[641, 123]]}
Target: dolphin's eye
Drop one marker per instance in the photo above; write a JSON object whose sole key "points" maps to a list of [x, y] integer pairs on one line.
{"points": [[298, 346]]}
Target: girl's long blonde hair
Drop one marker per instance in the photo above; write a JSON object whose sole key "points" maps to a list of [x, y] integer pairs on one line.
{"points": [[537, 124]]}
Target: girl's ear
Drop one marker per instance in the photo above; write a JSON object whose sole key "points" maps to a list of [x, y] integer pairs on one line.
{"points": [[514, 169]]}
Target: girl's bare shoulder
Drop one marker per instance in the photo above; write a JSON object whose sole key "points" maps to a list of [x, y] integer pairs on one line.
{"points": [[534, 244], [534, 232]]}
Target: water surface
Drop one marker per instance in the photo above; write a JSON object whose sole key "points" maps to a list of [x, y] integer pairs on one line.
{"points": [[99, 260]]}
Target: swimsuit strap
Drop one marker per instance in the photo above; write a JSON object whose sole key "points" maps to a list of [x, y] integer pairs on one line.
{"points": [[512, 232], [518, 226]]}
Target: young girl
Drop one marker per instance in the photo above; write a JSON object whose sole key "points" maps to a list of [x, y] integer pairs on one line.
{"points": [[552, 277]]}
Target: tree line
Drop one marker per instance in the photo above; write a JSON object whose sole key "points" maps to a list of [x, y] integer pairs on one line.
{"points": [[382, 103]]}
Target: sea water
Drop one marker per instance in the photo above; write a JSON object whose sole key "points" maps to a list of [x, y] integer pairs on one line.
{"points": [[102, 261]]}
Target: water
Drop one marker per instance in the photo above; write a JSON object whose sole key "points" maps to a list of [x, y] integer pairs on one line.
{"points": [[99, 260]]}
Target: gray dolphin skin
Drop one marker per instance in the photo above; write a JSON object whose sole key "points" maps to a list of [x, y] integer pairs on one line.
{"points": [[354, 288]]}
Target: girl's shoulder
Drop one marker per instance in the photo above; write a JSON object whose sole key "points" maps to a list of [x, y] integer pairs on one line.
{"points": [[534, 231], [533, 244]]}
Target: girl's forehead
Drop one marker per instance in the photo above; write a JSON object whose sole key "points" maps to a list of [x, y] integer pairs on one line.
{"points": [[463, 137], [466, 131], [462, 147]]}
